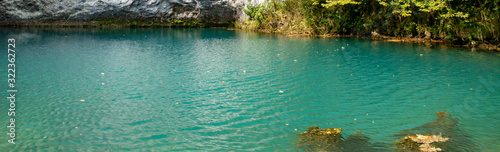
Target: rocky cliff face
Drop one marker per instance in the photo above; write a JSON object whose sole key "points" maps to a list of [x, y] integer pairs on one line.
{"points": [[208, 11]]}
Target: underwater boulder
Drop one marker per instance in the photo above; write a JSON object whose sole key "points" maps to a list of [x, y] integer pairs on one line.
{"points": [[317, 139], [423, 143], [444, 125], [357, 142]]}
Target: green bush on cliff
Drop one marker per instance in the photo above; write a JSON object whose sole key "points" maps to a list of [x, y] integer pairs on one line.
{"points": [[456, 21]]}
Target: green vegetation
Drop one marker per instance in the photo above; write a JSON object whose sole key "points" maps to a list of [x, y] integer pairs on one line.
{"points": [[458, 21]]}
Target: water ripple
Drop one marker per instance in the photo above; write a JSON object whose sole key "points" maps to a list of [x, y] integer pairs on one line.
{"points": [[218, 90]]}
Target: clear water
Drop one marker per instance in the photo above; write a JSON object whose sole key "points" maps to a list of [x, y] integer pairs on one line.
{"points": [[219, 90]]}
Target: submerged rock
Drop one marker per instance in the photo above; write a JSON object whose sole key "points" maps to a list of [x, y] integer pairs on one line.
{"points": [[330, 139], [441, 134], [444, 125], [420, 142], [317, 139], [357, 142]]}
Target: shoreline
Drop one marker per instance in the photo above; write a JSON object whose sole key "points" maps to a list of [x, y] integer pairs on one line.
{"points": [[477, 46], [194, 24], [111, 23]]}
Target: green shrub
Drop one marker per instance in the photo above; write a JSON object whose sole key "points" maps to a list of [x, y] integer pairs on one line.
{"points": [[455, 21]]}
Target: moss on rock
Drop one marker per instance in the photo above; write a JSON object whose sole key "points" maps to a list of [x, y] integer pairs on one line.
{"points": [[317, 139]]}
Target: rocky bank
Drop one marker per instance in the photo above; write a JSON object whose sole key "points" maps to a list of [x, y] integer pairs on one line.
{"points": [[203, 11]]}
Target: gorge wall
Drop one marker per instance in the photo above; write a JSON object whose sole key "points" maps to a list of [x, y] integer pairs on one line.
{"points": [[206, 11]]}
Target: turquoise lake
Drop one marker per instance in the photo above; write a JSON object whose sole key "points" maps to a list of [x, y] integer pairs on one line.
{"points": [[179, 89]]}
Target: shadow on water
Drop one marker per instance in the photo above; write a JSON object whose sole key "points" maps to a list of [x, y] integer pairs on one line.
{"points": [[330, 139], [358, 142]]}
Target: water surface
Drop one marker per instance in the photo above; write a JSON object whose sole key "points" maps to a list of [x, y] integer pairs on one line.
{"points": [[165, 89]]}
